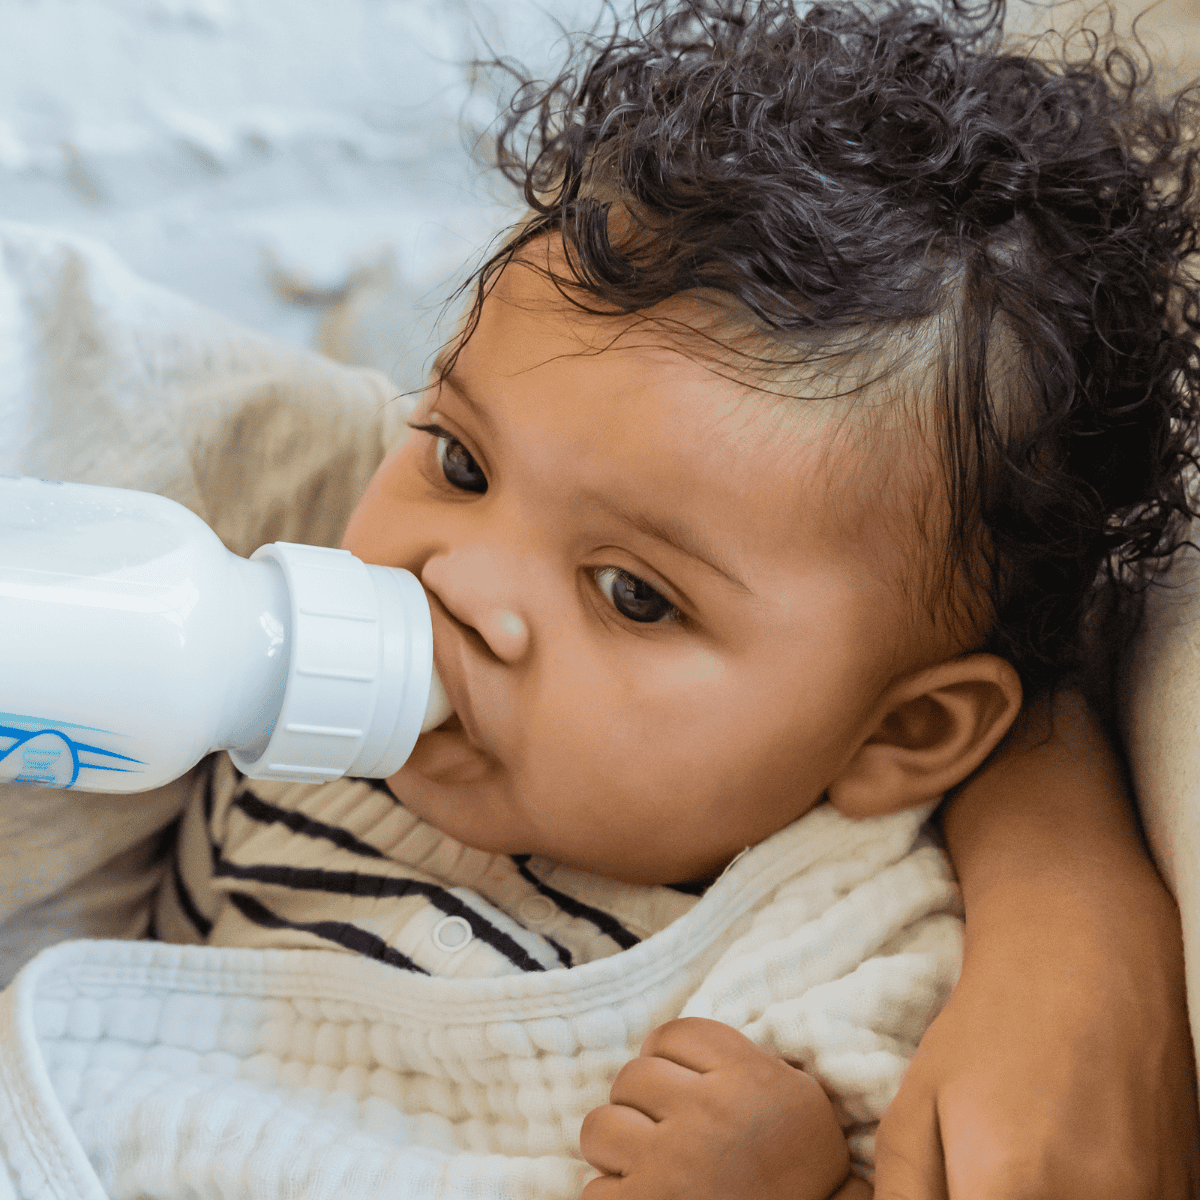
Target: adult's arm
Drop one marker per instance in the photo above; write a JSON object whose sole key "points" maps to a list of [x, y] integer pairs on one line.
{"points": [[1062, 1065]]}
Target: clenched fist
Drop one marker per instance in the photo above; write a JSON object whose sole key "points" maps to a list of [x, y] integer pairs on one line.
{"points": [[704, 1114]]}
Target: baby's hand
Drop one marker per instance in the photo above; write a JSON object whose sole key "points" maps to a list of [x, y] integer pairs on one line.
{"points": [[704, 1114]]}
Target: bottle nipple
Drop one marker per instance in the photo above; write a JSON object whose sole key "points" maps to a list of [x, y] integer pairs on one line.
{"points": [[437, 708]]}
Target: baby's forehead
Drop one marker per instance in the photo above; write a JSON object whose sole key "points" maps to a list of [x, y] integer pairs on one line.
{"points": [[841, 421], [857, 412], [864, 425], [615, 428]]}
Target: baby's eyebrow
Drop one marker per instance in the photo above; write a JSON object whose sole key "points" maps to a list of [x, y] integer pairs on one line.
{"points": [[686, 541], [459, 388]]}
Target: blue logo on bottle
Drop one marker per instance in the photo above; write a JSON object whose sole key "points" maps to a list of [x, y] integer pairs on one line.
{"points": [[52, 755]]}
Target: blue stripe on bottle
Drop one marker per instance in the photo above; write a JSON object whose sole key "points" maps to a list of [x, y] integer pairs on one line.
{"points": [[40, 764]]}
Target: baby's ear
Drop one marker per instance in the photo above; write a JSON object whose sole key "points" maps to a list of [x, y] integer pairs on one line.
{"points": [[937, 726]]}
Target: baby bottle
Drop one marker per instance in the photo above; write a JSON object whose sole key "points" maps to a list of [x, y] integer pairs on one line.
{"points": [[132, 642]]}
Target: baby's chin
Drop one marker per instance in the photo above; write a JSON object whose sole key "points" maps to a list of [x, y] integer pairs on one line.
{"points": [[467, 794], [460, 791]]}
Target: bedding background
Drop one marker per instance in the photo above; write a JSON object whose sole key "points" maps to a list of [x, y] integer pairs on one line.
{"points": [[303, 166], [266, 156]]}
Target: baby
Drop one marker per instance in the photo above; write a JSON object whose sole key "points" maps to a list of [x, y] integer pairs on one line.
{"points": [[779, 456]]}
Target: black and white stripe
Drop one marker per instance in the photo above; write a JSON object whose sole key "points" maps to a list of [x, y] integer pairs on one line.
{"points": [[345, 866]]}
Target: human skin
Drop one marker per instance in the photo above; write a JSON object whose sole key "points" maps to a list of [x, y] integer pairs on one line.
{"points": [[1061, 1069], [703, 1114], [558, 692], [572, 466], [1062, 1066]]}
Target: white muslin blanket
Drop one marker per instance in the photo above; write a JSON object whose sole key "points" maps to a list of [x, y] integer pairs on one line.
{"points": [[135, 1070], [142, 1070]]}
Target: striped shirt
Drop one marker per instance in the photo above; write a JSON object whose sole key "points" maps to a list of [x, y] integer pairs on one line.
{"points": [[345, 866]]}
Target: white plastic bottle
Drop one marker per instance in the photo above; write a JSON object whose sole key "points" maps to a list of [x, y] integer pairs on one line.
{"points": [[132, 643]]}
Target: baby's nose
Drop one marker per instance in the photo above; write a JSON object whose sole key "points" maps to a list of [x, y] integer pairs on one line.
{"points": [[472, 588], [510, 636]]}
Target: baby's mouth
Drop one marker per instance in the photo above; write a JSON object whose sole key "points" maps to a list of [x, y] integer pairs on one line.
{"points": [[447, 755], [449, 749], [438, 708], [452, 724]]}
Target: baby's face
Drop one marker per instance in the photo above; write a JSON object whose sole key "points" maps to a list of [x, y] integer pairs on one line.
{"points": [[660, 645]]}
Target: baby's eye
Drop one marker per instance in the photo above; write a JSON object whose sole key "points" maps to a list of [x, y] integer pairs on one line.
{"points": [[458, 465], [456, 461], [634, 598]]}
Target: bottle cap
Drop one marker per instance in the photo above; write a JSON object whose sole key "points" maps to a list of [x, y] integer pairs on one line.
{"points": [[359, 672]]}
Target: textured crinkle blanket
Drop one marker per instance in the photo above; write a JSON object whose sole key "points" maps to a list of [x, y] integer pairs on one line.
{"points": [[139, 1070]]}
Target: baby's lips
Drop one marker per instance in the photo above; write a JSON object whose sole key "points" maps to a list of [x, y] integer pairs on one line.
{"points": [[438, 707]]}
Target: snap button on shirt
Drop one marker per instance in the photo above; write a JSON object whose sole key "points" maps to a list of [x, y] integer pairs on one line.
{"points": [[451, 934]]}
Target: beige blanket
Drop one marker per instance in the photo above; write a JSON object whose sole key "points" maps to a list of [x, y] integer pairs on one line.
{"points": [[1162, 728], [107, 379]]}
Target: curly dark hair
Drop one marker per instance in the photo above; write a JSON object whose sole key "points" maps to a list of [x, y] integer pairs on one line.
{"points": [[857, 167]]}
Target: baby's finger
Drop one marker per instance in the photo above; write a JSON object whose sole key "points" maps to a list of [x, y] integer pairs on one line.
{"points": [[613, 1138], [654, 1086], [698, 1043]]}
